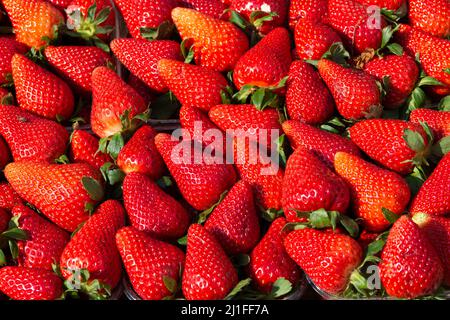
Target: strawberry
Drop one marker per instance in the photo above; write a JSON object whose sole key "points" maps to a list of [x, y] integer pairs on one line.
{"points": [[8, 197], [192, 85], [93, 247], [152, 210], [141, 58], [83, 149], [355, 92], [141, 88], [21, 283], [57, 190], [391, 142], [201, 182], [140, 154], [434, 196], [212, 8], [437, 230], [234, 222], [307, 97], [4, 219], [60, 4], [75, 64], [111, 98], [31, 138], [373, 190], [327, 258], [316, 10], [140, 14], [313, 39], [409, 267], [8, 48], [310, 185], [40, 91], [355, 24], [269, 260], [149, 263], [402, 73], [386, 4], [33, 21], [217, 44], [204, 254], [439, 121], [5, 154], [45, 241], [430, 16], [322, 143], [366, 238]]}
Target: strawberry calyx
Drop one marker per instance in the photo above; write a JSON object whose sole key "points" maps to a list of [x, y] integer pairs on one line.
{"points": [[418, 98], [336, 53], [394, 16], [112, 173], [270, 214], [280, 288], [79, 285], [238, 289], [9, 238], [202, 216], [251, 26], [162, 32], [187, 50], [416, 142]]}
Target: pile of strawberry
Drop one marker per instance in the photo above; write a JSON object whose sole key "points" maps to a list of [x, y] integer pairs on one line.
{"points": [[360, 202]]}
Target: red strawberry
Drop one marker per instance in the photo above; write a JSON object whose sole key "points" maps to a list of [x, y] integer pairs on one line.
{"points": [[366, 237], [141, 58], [8, 197], [323, 144], [45, 241], [372, 189], [402, 72], [201, 182], [234, 222], [437, 230], [149, 262], [310, 185], [212, 8], [208, 273], [141, 88], [269, 260], [217, 44], [327, 258], [84, 147], [4, 219], [192, 85], [152, 210], [313, 39], [8, 48], [33, 21], [387, 4], [355, 92], [307, 97], [5, 154], [39, 91], [439, 121], [55, 190], [266, 63], [145, 14], [315, 10], [434, 196], [111, 98], [21, 283], [75, 64], [384, 141], [93, 247], [61, 4], [431, 16], [140, 154], [409, 267], [32, 138]]}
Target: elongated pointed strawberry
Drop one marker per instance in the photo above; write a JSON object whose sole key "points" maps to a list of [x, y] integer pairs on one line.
{"points": [[4, 219], [316, 10], [84, 147], [45, 241], [217, 44], [391, 142], [270, 261], [8, 48], [439, 121], [387, 4], [322, 143], [141, 58], [21, 283], [355, 92], [212, 8], [430, 16], [56, 190], [75, 64], [201, 182], [327, 258], [192, 85], [151, 210], [31, 138], [204, 254], [93, 247], [410, 266], [266, 63], [234, 222], [5, 154], [33, 21], [307, 97], [111, 98], [372, 189], [8, 197], [140, 154], [149, 262], [40, 91]]}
